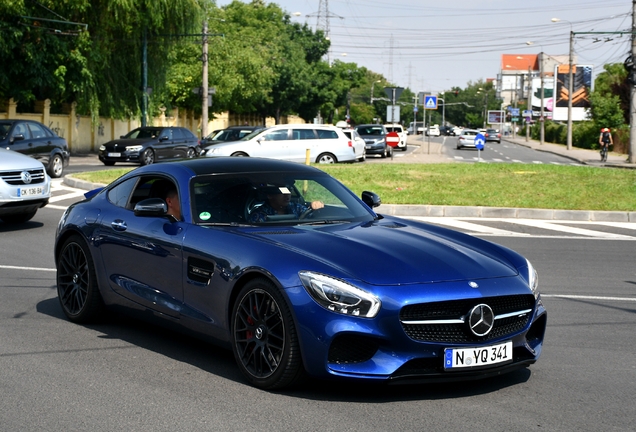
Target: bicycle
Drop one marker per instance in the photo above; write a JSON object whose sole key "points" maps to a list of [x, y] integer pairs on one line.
{"points": [[604, 152]]}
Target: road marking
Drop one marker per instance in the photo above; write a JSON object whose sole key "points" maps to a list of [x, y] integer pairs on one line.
{"points": [[583, 297], [570, 230], [26, 268], [455, 223]]}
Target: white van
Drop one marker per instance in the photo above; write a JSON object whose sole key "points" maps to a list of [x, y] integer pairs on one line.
{"points": [[327, 144]]}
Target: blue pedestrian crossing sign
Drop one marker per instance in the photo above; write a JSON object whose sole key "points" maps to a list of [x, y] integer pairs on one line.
{"points": [[480, 140], [430, 102]]}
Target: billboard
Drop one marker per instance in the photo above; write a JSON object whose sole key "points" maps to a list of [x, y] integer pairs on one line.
{"points": [[548, 96], [581, 87], [496, 116]]}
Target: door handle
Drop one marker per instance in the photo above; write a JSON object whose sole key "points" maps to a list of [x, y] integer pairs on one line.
{"points": [[119, 225]]}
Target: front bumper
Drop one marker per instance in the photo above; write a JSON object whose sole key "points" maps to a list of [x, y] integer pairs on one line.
{"points": [[125, 156], [382, 349]]}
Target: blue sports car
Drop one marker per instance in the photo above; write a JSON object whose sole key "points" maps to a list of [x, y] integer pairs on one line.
{"points": [[287, 267]]}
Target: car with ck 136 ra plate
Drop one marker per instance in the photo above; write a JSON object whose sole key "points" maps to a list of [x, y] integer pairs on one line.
{"points": [[149, 144], [24, 187], [285, 266]]}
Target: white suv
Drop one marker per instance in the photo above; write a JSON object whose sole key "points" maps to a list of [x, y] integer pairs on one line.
{"points": [[24, 187], [401, 133], [326, 144]]}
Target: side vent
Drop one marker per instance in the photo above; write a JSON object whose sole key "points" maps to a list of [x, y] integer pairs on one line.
{"points": [[199, 270]]}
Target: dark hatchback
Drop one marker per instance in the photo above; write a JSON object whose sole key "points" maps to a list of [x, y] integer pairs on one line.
{"points": [[37, 141], [374, 136], [233, 133], [146, 145]]}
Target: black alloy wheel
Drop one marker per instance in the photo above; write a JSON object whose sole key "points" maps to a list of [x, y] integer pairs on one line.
{"points": [[147, 157], [264, 339], [76, 282]]}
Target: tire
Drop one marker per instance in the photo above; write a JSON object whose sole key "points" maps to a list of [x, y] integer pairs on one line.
{"points": [[18, 217], [190, 153], [385, 153], [264, 339], [239, 154], [147, 157], [404, 148], [56, 166], [326, 158], [77, 287], [107, 163]]}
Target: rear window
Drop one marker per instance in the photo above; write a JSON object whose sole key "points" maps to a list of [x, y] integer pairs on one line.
{"points": [[327, 134], [394, 129]]}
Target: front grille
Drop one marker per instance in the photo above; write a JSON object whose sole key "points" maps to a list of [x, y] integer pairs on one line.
{"points": [[15, 177], [458, 309]]}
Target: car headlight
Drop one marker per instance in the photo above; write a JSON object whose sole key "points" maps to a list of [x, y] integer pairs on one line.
{"points": [[102, 148], [339, 296], [134, 148], [533, 279]]}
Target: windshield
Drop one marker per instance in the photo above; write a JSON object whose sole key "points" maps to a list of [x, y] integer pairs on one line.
{"points": [[274, 198], [143, 133], [4, 130], [370, 130]]}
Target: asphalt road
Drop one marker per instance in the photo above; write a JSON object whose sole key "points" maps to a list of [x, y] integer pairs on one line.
{"points": [[127, 375]]}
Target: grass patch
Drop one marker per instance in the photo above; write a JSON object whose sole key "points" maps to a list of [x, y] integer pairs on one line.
{"points": [[489, 185]]}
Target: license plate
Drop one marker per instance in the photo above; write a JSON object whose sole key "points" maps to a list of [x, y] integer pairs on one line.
{"points": [[456, 358], [368, 147], [29, 191], [114, 154]]}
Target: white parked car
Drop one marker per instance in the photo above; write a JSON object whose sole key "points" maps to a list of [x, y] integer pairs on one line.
{"points": [[24, 186], [327, 144], [358, 143], [433, 131], [401, 133]]}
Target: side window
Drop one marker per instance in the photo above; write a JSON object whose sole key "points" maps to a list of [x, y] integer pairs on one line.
{"points": [[177, 134], [37, 131], [188, 134], [120, 194], [327, 134], [303, 134], [21, 129], [277, 135], [166, 133]]}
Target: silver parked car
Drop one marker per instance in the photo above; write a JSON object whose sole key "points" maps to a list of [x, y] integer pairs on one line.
{"points": [[326, 144], [467, 138], [24, 186]]}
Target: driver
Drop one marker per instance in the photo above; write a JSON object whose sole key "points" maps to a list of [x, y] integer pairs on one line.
{"points": [[279, 203]]}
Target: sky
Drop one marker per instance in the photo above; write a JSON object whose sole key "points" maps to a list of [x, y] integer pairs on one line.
{"points": [[434, 45]]}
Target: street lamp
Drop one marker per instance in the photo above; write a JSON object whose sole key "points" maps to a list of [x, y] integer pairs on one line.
{"points": [[373, 85], [570, 86]]}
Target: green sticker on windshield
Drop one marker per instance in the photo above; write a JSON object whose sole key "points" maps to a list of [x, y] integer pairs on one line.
{"points": [[205, 216]]}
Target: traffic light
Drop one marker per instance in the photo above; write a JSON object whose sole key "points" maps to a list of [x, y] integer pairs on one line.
{"points": [[456, 92]]}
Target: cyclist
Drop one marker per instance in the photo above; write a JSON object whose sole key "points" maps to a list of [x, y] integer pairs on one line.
{"points": [[605, 140]]}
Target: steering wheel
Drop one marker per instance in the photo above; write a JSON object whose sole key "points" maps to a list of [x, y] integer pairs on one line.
{"points": [[306, 213]]}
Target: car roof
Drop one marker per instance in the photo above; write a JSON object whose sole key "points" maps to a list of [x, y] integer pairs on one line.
{"points": [[227, 165]]}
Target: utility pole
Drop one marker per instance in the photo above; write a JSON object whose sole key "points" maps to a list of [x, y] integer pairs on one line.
{"points": [[204, 83], [570, 90], [632, 108], [541, 118], [529, 107]]}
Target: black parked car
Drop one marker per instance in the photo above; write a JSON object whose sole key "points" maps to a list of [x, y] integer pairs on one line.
{"points": [[146, 145], [374, 136], [233, 133], [36, 140]]}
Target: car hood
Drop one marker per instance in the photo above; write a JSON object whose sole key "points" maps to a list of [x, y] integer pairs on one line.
{"points": [[123, 142], [390, 253], [10, 160]]}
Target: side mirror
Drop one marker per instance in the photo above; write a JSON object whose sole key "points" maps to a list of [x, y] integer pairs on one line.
{"points": [[18, 137], [151, 207], [371, 199], [163, 138], [122, 136]]}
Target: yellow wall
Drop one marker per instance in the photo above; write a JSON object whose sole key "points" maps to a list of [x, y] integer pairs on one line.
{"points": [[84, 136]]}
